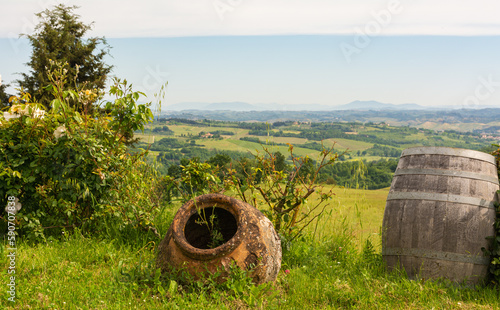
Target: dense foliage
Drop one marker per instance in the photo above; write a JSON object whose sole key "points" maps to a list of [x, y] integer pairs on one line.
{"points": [[70, 169], [4, 97], [62, 37], [360, 174], [164, 130]]}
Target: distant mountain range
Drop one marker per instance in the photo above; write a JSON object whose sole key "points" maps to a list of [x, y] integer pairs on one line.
{"points": [[375, 105], [371, 105]]}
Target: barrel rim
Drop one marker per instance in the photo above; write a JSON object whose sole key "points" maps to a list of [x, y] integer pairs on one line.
{"points": [[450, 151]]}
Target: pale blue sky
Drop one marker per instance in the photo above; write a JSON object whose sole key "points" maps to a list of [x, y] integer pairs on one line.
{"points": [[295, 52]]}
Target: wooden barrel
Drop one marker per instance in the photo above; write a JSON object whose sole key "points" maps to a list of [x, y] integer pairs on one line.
{"points": [[439, 210]]}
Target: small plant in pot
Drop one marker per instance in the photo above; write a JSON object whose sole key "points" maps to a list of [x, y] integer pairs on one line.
{"points": [[215, 227]]}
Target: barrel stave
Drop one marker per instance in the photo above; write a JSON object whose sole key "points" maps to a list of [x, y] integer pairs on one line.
{"points": [[438, 213]]}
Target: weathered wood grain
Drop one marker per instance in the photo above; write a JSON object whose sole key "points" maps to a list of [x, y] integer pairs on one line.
{"points": [[439, 212]]}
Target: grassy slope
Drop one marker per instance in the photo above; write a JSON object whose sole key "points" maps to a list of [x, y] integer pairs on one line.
{"points": [[363, 210]]}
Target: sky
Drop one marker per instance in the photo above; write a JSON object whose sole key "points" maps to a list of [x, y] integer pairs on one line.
{"points": [[287, 52]]}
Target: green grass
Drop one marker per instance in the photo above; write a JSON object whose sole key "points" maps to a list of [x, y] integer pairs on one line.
{"points": [[339, 268], [363, 210]]}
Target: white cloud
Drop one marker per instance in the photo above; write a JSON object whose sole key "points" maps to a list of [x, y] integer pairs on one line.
{"points": [[161, 18]]}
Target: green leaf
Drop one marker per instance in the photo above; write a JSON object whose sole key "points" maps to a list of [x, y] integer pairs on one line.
{"points": [[78, 118], [172, 287]]}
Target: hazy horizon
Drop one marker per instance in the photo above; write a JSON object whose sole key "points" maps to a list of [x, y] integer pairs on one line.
{"points": [[318, 52]]}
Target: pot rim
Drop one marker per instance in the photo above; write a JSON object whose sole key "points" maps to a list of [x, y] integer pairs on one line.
{"points": [[230, 204]]}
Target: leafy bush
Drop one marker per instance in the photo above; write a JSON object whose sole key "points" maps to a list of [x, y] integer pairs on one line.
{"points": [[68, 168], [284, 191]]}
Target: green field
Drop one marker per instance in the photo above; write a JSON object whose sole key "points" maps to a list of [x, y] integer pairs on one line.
{"points": [[253, 147]]}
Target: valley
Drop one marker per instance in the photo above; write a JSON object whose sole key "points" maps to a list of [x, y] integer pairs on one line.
{"points": [[371, 148]]}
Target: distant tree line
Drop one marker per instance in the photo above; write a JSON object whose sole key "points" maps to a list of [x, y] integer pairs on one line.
{"points": [[322, 134], [163, 129], [381, 151], [353, 174], [251, 139], [360, 174]]}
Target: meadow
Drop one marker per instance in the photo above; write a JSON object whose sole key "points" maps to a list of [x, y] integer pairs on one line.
{"points": [[337, 264]]}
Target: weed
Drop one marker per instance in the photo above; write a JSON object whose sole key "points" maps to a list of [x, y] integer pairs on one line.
{"points": [[213, 226]]}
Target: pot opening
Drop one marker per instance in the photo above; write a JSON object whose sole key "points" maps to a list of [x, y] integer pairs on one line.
{"points": [[210, 227]]}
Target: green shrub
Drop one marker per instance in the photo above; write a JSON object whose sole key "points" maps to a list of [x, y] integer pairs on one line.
{"points": [[68, 168]]}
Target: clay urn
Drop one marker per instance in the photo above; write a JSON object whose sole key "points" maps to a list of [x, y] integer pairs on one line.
{"points": [[213, 232]]}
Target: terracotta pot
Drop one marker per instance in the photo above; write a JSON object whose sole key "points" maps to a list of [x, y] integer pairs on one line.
{"points": [[246, 237]]}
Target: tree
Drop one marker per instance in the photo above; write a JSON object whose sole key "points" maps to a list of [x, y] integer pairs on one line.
{"points": [[280, 161], [4, 97], [219, 160], [59, 37]]}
